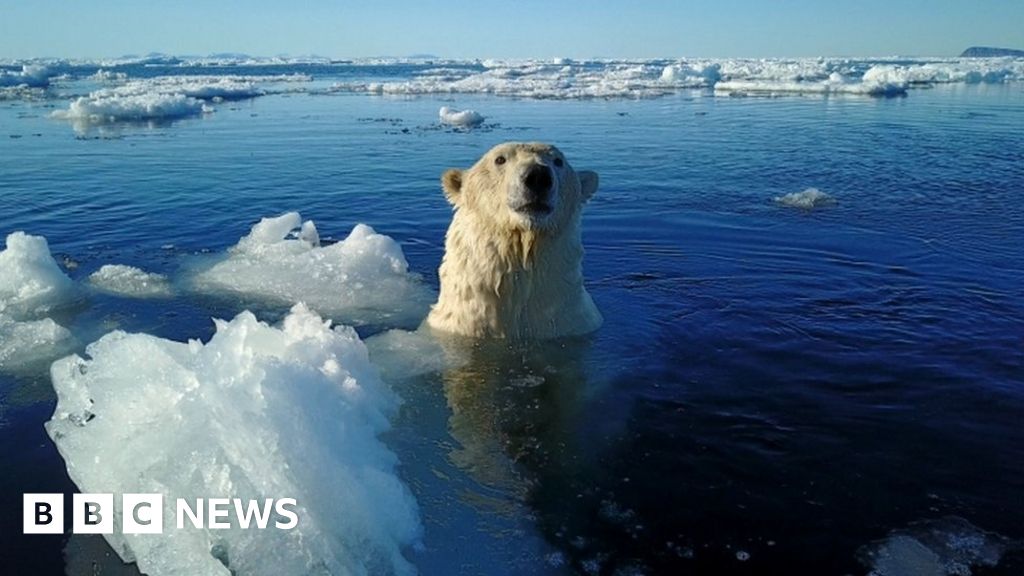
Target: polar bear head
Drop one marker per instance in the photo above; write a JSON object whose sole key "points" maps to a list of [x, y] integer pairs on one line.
{"points": [[521, 186]]}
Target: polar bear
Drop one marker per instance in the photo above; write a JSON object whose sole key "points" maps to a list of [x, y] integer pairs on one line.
{"points": [[513, 258]]}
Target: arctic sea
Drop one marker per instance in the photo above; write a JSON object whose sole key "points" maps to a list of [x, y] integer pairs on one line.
{"points": [[826, 387]]}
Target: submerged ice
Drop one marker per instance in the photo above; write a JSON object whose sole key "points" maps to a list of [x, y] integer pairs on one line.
{"points": [[807, 199], [364, 279], [257, 412], [948, 546]]}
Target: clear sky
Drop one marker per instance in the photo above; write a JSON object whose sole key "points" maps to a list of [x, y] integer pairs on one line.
{"points": [[509, 29]]}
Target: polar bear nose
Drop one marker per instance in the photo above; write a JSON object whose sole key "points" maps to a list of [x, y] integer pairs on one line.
{"points": [[538, 181]]}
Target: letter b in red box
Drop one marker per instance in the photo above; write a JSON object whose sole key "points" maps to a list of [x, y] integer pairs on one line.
{"points": [[43, 513]]}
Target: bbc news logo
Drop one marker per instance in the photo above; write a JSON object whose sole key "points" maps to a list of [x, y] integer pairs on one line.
{"points": [[144, 513]]}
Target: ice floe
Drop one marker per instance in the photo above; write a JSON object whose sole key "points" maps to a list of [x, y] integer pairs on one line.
{"points": [[364, 279], [257, 412], [567, 79], [164, 97], [130, 281]]}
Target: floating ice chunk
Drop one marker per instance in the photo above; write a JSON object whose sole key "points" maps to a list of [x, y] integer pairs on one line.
{"points": [[363, 279], [31, 286], [108, 106], [31, 283], [31, 343], [808, 199], [463, 118], [257, 412], [31, 75], [948, 546], [161, 98], [130, 281]]}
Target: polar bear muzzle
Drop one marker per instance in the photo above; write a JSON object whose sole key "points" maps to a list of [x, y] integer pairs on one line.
{"points": [[535, 195]]}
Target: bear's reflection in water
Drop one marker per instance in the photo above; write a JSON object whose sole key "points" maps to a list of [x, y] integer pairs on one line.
{"points": [[507, 424], [514, 409]]}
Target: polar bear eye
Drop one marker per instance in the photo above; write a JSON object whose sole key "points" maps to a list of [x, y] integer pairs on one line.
{"points": [[559, 162], [499, 160]]}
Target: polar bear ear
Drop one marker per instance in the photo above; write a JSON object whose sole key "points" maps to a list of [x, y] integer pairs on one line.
{"points": [[451, 182], [588, 183]]}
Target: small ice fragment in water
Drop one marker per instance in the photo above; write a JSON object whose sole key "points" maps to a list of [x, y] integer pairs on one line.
{"points": [[463, 118], [130, 281], [808, 199]]}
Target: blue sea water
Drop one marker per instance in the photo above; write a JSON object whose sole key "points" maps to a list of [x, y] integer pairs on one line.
{"points": [[773, 390]]}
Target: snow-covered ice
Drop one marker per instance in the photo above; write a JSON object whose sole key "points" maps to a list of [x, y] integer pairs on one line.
{"points": [[112, 106], [164, 97], [566, 79], [130, 281], [364, 279], [257, 412]]}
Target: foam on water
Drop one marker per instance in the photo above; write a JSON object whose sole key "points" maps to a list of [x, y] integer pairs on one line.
{"points": [[363, 279], [257, 412], [31, 287], [461, 118], [130, 281]]}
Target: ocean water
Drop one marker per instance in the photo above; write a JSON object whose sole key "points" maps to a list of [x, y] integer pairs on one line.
{"points": [[834, 388]]}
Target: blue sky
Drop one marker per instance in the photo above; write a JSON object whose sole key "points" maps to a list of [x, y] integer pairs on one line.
{"points": [[513, 28]]}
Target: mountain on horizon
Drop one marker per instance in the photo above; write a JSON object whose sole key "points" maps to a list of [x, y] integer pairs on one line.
{"points": [[988, 52]]}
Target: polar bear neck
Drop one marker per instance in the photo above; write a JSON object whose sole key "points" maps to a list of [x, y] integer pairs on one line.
{"points": [[514, 284]]}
